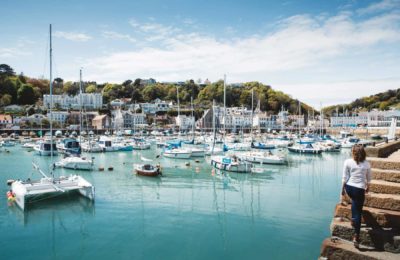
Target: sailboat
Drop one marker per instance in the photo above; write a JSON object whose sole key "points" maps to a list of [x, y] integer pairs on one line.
{"points": [[74, 160], [30, 191]]}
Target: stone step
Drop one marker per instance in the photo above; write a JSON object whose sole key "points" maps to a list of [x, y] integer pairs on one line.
{"points": [[380, 201], [386, 175], [383, 201], [381, 186], [341, 250], [384, 163], [372, 217], [381, 239]]}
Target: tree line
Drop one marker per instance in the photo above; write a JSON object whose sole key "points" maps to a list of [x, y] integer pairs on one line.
{"points": [[382, 101], [20, 89]]}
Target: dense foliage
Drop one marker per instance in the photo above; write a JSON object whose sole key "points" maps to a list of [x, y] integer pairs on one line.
{"points": [[382, 101], [19, 89]]}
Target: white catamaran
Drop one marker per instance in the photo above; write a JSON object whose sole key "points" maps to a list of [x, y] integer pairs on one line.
{"points": [[30, 191]]}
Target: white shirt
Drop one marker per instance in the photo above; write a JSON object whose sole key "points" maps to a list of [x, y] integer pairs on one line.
{"points": [[356, 175]]}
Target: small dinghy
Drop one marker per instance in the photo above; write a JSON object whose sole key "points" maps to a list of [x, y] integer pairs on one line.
{"points": [[148, 170]]}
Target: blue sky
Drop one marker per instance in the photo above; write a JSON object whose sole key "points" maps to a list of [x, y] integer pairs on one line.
{"points": [[319, 51]]}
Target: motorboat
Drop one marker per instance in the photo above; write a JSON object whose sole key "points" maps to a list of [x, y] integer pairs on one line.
{"points": [[91, 147], [75, 163], [263, 158], [263, 146], [70, 146], [231, 164], [7, 143], [28, 145], [177, 153], [46, 147], [147, 170], [305, 149], [140, 144], [108, 145]]}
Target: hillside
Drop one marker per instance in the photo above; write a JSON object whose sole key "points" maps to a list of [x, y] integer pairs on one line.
{"points": [[382, 101], [23, 90]]}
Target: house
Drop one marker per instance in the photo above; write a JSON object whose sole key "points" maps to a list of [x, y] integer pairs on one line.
{"points": [[89, 101], [132, 120], [58, 116], [101, 122], [184, 122], [5, 120], [74, 117], [156, 106]]}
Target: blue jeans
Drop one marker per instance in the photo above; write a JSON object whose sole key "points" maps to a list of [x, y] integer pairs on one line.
{"points": [[357, 196]]}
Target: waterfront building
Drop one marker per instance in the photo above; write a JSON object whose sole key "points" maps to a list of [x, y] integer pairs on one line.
{"points": [[155, 106], [184, 122], [378, 118], [87, 117], [131, 120], [354, 120], [264, 121], [374, 118], [101, 122], [5, 120], [89, 101], [58, 116]]}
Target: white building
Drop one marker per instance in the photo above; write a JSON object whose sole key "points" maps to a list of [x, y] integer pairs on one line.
{"points": [[58, 116], [184, 122], [156, 106], [132, 120], [374, 118], [89, 101], [383, 118], [265, 121]]}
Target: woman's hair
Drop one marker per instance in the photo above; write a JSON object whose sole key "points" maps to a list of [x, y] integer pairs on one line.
{"points": [[358, 153]]}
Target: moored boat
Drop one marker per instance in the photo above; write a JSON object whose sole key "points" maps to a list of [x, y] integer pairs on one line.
{"points": [[147, 170]]}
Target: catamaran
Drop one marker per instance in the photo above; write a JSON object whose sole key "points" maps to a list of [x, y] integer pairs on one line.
{"points": [[30, 191]]}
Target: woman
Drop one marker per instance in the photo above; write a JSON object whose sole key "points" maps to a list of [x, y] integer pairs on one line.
{"points": [[356, 179]]}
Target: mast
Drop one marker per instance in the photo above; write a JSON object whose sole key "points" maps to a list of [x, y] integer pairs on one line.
{"points": [[51, 98], [224, 106], [252, 101], [191, 104], [80, 107], [213, 124], [177, 97]]}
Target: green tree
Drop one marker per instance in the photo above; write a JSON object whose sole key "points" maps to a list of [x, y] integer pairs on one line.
{"points": [[6, 70], [26, 95], [5, 100], [91, 88]]}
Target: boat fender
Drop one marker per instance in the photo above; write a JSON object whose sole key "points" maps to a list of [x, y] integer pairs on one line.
{"points": [[110, 168]]}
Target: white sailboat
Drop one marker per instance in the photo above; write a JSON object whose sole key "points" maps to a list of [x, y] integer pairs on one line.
{"points": [[30, 191], [263, 158], [75, 161]]}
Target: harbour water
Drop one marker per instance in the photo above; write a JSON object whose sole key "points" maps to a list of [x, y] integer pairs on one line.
{"points": [[191, 212]]}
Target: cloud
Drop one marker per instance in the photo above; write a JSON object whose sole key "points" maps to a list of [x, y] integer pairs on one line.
{"points": [[300, 42], [380, 6], [13, 52], [115, 35], [73, 36], [339, 92], [153, 31]]}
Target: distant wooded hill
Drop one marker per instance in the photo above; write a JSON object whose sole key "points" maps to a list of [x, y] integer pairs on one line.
{"points": [[382, 101], [23, 90]]}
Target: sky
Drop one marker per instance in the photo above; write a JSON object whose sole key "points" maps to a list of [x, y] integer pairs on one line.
{"points": [[321, 52]]}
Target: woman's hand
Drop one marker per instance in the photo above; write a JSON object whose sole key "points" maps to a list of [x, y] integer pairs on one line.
{"points": [[367, 189]]}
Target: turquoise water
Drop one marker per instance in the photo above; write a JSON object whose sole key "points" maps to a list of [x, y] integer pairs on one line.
{"points": [[189, 213]]}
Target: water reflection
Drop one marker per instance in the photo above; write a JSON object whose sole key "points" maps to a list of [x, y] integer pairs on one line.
{"points": [[69, 204]]}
